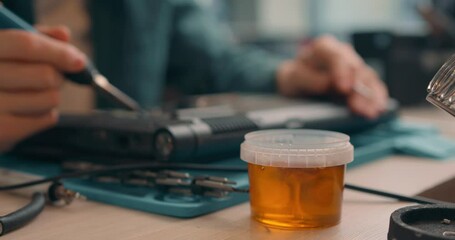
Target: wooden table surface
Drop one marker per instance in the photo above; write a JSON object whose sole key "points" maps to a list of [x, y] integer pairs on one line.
{"points": [[364, 216]]}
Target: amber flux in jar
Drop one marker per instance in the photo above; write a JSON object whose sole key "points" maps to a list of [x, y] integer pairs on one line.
{"points": [[296, 197]]}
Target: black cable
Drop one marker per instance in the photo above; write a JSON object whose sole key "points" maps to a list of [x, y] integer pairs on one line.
{"points": [[421, 200], [21, 217]]}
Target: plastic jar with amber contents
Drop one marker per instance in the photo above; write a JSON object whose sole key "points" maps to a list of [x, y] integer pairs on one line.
{"points": [[296, 176]]}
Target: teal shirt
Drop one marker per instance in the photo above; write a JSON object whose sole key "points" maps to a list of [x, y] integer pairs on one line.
{"points": [[145, 46]]}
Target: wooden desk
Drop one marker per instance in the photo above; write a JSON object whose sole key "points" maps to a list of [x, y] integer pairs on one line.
{"points": [[364, 216]]}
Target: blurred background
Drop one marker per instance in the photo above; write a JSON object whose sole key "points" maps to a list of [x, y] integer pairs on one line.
{"points": [[406, 41]]}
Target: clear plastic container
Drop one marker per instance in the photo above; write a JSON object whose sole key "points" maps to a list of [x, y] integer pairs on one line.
{"points": [[296, 176]]}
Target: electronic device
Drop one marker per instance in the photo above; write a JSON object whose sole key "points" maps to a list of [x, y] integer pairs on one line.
{"points": [[206, 128], [218, 136]]}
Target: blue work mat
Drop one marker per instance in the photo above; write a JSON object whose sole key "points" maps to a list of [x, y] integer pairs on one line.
{"points": [[141, 198], [393, 137]]}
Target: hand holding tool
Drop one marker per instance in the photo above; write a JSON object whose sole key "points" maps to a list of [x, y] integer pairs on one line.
{"points": [[89, 75]]}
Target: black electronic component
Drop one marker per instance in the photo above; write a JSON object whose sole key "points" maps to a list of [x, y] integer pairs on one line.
{"points": [[216, 137], [423, 222], [220, 137], [110, 134]]}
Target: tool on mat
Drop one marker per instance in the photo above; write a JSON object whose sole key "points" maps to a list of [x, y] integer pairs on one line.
{"points": [[177, 182]]}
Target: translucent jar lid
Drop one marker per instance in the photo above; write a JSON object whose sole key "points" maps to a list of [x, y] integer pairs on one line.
{"points": [[293, 148]]}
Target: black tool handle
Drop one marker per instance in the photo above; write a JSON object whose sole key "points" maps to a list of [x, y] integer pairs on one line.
{"points": [[83, 77]]}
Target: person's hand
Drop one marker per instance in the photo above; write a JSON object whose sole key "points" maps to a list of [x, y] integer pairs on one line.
{"points": [[328, 66], [30, 77]]}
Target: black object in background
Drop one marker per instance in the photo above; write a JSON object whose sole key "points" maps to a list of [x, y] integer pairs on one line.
{"points": [[407, 63]]}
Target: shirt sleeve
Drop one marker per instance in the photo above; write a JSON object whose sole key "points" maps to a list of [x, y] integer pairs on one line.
{"points": [[204, 58]]}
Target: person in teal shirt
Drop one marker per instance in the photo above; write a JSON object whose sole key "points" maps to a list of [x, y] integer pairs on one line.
{"points": [[147, 46]]}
